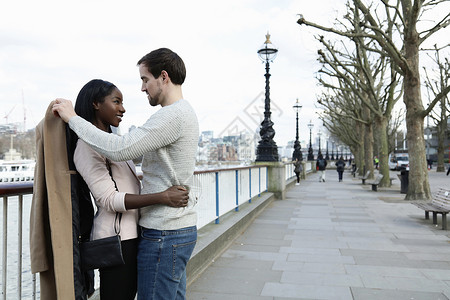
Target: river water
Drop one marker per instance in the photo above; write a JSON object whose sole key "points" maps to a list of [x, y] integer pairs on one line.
{"points": [[12, 249]]}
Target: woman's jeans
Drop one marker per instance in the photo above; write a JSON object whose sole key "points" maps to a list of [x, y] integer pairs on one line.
{"points": [[162, 260]]}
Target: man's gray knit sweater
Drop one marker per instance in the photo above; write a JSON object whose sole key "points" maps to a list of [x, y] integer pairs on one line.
{"points": [[168, 142]]}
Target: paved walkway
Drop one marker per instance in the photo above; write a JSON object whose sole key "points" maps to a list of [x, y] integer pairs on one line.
{"points": [[335, 240]]}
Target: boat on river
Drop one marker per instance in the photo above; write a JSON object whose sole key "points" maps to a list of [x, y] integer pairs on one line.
{"points": [[16, 171]]}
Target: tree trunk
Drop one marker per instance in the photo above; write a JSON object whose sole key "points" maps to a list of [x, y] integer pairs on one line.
{"points": [[383, 149], [440, 152], [441, 130], [419, 187], [368, 145], [359, 158]]}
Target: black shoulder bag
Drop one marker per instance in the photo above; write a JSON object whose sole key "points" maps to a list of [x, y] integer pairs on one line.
{"points": [[105, 252]]}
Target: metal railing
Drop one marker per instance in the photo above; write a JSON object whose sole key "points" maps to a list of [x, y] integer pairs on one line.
{"points": [[224, 190], [13, 192], [218, 191]]}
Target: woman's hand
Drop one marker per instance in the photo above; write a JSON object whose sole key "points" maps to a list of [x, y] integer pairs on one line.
{"points": [[175, 196], [64, 109]]}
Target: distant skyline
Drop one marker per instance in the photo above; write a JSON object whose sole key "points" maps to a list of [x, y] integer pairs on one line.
{"points": [[50, 49]]}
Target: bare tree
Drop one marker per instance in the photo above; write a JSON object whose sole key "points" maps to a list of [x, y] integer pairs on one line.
{"points": [[373, 80], [435, 85], [403, 16]]}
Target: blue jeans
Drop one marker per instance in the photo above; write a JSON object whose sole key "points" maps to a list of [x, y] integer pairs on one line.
{"points": [[162, 259]]}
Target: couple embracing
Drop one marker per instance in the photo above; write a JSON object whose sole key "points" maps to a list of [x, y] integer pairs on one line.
{"points": [[159, 238]]}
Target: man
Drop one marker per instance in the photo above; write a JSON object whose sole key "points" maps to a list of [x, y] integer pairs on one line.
{"points": [[168, 143], [321, 166]]}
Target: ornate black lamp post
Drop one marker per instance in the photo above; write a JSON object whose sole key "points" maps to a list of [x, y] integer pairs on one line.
{"points": [[297, 148], [320, 152], [267, 148], [310, 150], [327, 157], [332, 151]]}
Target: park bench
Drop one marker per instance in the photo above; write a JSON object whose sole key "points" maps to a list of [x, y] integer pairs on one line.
{"points": [[376, 182], [363, 178], [440, 204]]}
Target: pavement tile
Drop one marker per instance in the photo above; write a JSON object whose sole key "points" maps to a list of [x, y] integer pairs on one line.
{"points": [[313, 233], [254, 240], [271, 222], [253, 248], [321, 258], [225, 285], [385, 270], [322, 251], [264, 256], [276, 289], [428, 256], [319, 244], [218, 296], [242, 263], [334, 268], [309, 226], [373, 253], [377, 294], [369, 234], [422, 237], [303, 278], [436, 274], [349, 220]]}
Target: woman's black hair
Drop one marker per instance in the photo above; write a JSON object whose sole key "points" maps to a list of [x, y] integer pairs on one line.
{"points": [[92, 92]]}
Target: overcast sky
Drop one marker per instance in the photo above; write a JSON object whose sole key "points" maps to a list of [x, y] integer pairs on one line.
{"points": [[51, 49]]}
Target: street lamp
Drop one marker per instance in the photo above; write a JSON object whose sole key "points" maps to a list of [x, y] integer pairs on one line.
{"points": [[267, 148], [297, 148], [332, 150], [327, 157], [310, 150], [320, 152]]}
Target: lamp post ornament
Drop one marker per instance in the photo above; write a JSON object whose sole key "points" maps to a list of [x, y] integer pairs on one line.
{"points": [[297, 148], [267, 148]]}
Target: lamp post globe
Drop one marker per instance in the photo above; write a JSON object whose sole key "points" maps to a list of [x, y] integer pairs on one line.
{"points": [[267, 148], [297, 147], [310, 150]]}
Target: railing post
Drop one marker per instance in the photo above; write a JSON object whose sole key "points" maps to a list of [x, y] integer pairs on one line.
{"points": [[19, 248], [250, 185], [5, 244], [237, 192], [33, 294], [259, 182], [217, 198]]}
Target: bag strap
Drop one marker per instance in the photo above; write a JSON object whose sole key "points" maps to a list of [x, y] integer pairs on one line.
{"points": [[119, 215]]}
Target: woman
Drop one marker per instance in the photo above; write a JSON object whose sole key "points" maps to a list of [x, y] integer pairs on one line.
{"points": [[115, 188]]}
